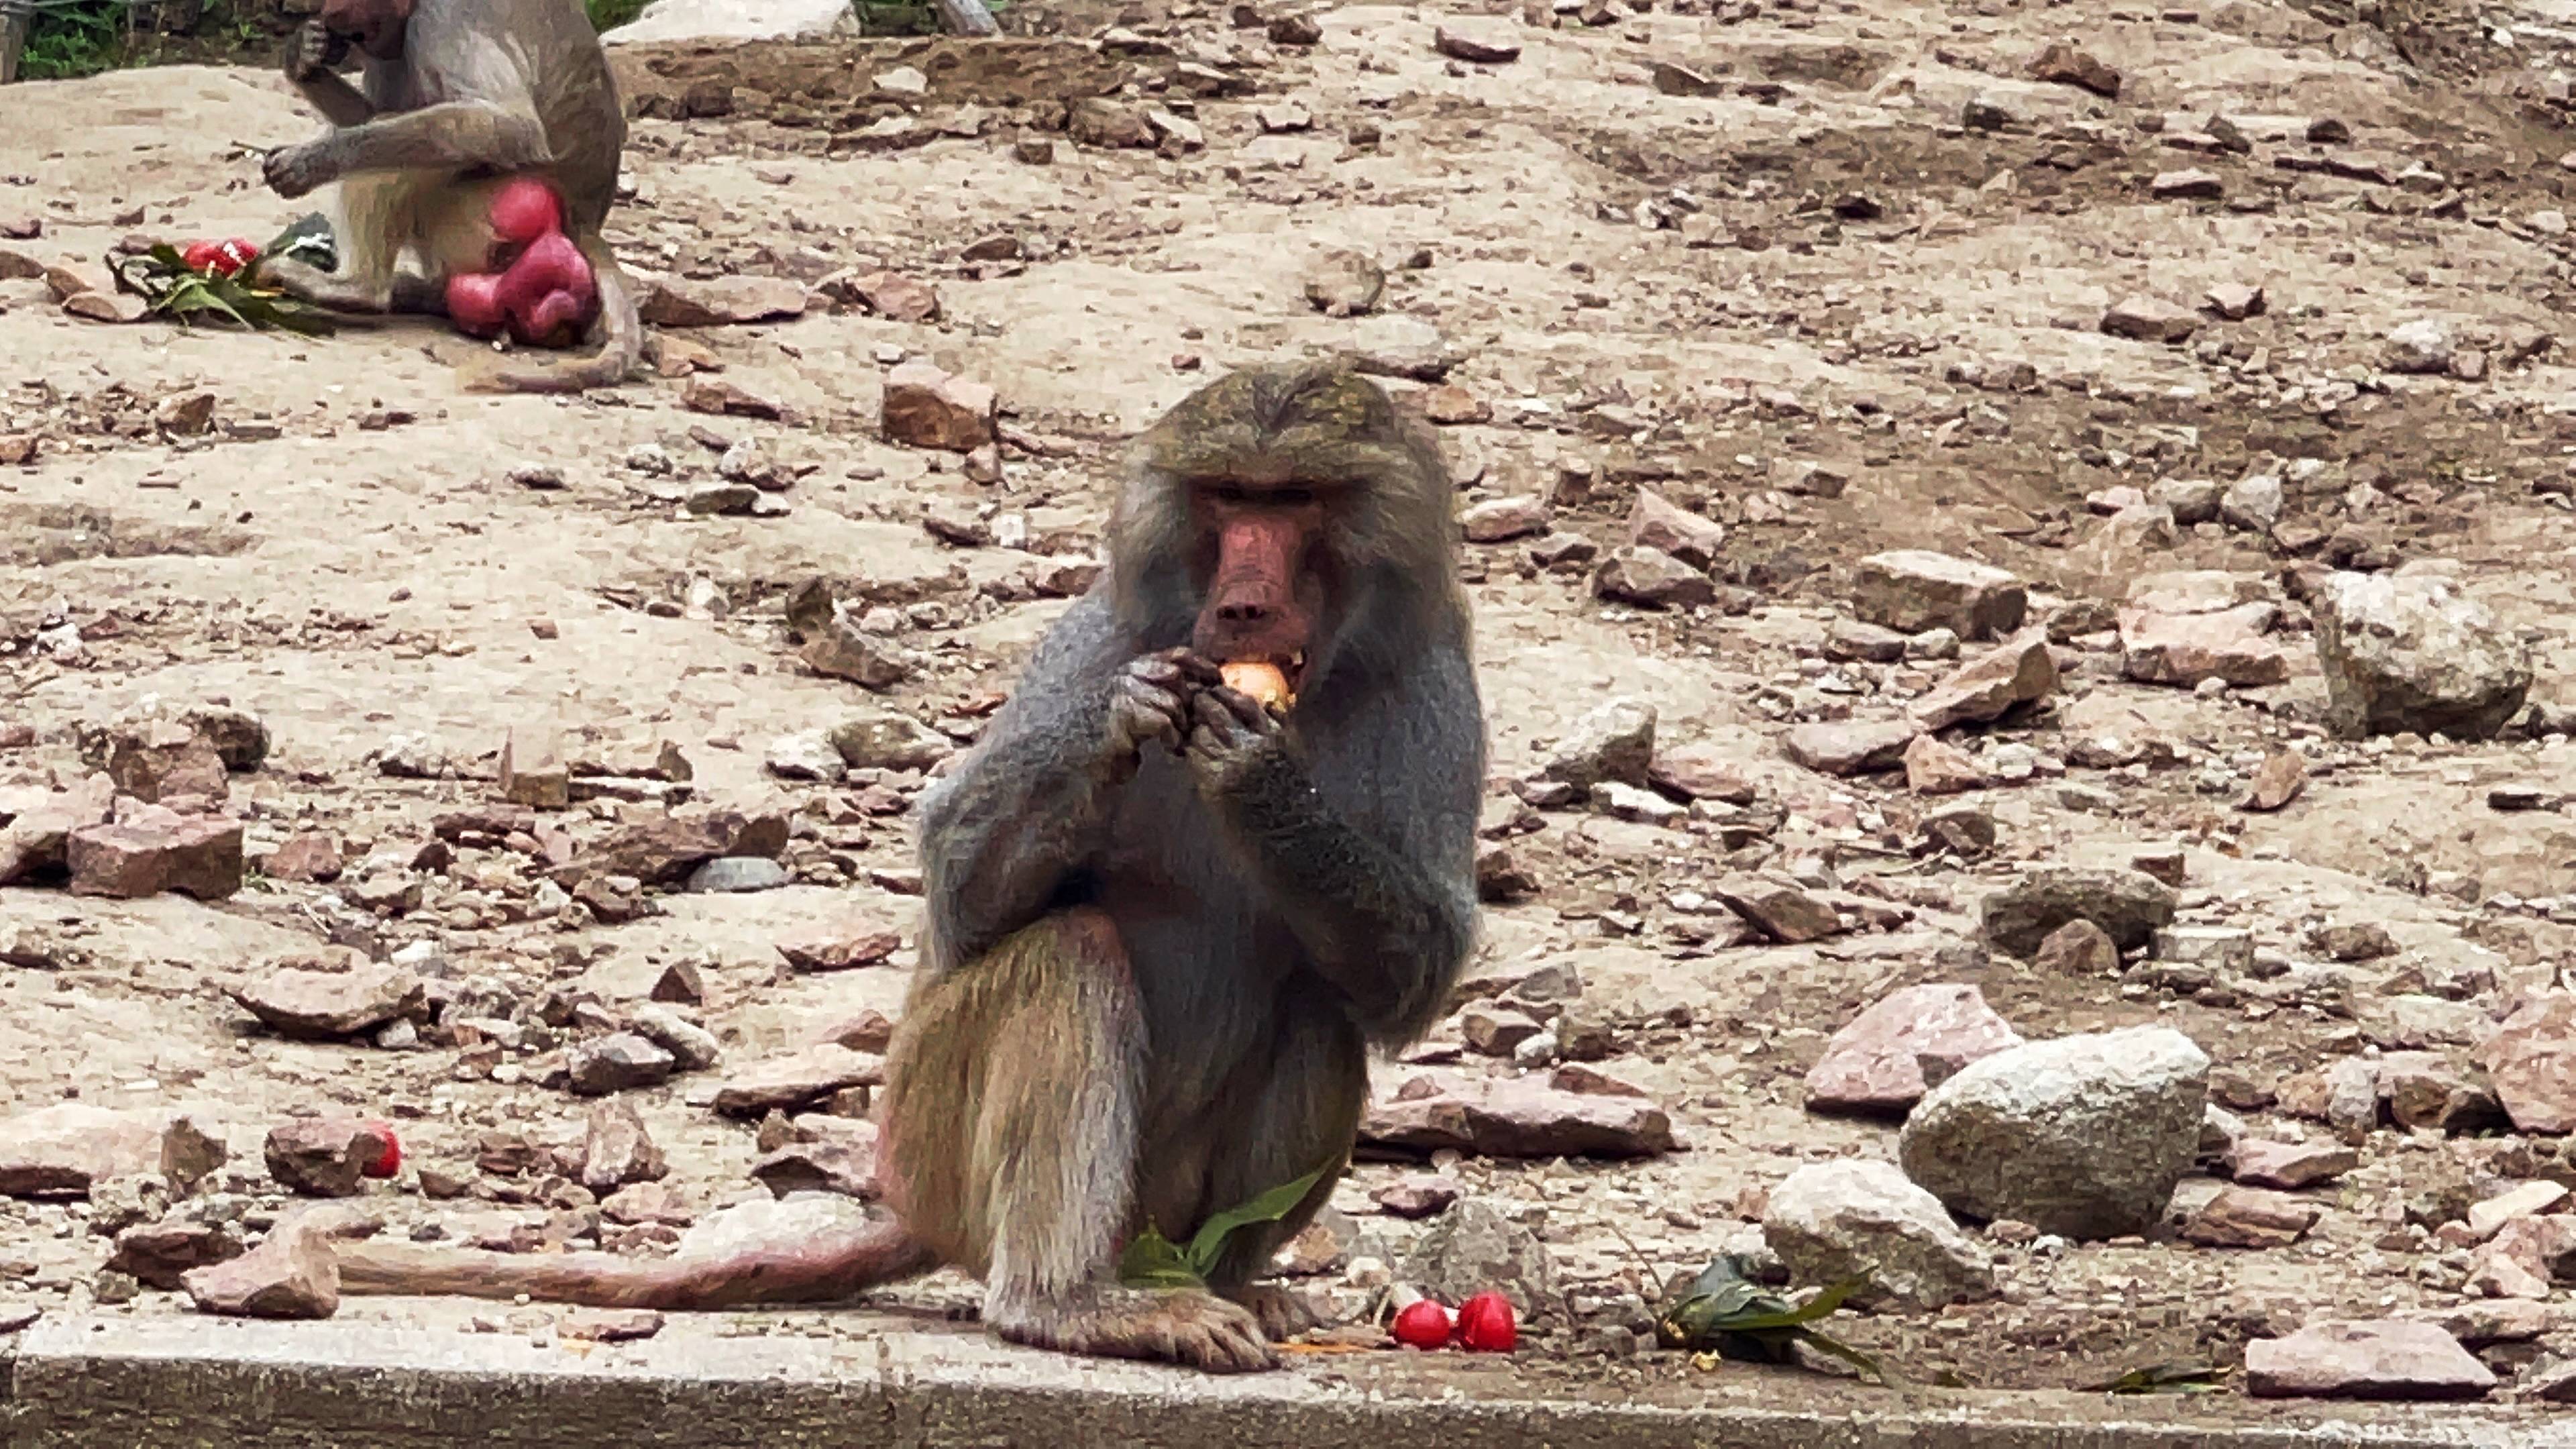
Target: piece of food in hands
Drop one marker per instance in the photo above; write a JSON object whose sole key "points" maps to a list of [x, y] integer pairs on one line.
{"points": [[1264, 682]]}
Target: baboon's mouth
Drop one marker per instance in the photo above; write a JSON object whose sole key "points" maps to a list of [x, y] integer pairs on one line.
{"points": [[1272, 679]]}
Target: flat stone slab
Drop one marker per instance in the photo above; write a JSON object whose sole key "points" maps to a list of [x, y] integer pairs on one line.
{"points": [[104, 1382]]}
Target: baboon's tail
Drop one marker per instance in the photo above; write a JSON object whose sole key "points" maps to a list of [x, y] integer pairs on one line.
{"points": [[810, 1270]]}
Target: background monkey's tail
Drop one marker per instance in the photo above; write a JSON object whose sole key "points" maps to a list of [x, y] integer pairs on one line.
{"points": [[819, 1269], [612, 364]]}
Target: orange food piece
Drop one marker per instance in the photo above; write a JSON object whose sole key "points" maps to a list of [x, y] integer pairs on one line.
{"points": [[1259, 679]]}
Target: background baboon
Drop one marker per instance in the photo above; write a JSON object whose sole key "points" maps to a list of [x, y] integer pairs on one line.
{"points": [[460, 97]]}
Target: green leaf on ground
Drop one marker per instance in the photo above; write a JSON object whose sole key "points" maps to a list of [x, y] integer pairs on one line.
{"points": [[2166, 1378], [1151, 1260], [1724, 1314]]}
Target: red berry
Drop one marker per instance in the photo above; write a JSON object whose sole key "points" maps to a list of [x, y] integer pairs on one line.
{"points": [[1485, 1324], [235, 254], [1421, 1324], [388, 1159], [202, 256]]}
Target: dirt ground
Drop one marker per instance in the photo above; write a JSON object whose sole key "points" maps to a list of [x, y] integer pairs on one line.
{"points": [[1791, 252]]}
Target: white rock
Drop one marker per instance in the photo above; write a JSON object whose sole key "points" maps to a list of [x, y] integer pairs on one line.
{"points": [[2408, 651], [809, 756], [2253, 503], [2084, 1136], [2419, 346], [737, 20], [1829, 1220], [1615, 742]]}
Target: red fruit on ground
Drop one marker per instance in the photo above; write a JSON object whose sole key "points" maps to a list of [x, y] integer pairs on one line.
{"points": [[201, 256], [388, 1159], [235, 254], [1422, 1324], [1486, 1324]]}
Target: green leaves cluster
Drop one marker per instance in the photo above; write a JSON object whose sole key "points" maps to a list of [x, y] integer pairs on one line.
{"points": [[169, 287], [65, 42], [1154, 1261], [1724, 1313]]}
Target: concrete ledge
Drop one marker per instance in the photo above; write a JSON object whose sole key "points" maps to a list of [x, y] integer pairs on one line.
{"points": [[853, 1380]]}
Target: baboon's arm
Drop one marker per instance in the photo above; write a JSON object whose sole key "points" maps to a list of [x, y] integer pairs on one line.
{"points": [[310, 60], [449, 137], [339, 102]]}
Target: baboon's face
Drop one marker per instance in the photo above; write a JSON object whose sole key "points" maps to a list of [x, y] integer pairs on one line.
{"points": [[374, 26]]}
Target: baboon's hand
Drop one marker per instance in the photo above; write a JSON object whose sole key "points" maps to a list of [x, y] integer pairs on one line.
{"points": [[1151, 701], [1230, 736], [313, 51], [294, 170]]}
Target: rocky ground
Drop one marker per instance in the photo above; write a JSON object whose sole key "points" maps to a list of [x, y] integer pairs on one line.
{"points": [[1990, 524]]}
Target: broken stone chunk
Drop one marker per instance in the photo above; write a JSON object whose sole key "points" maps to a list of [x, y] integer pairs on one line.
{"points": [[2018, 672], [2532, 1061], [621, 1062], [925, 407], [617, 1150], [2130, 906], [68, 1147], [321, 1156], [2250, 1217], [2150, 319], [1849, 747], [1833, 1220], [533, 771], [1476, 39], [160, 1255], [1650, 578], [154, 850], [162, 759], [333, 993], [1891, 1054], [1614, 742], [1517, 1118], [1656, 522], [1912, 590], [798, 1080], [2063, 64], [2387, 1359], [2290, 1165], [1779, 910], [1472, 1249], [291, 1274]]}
